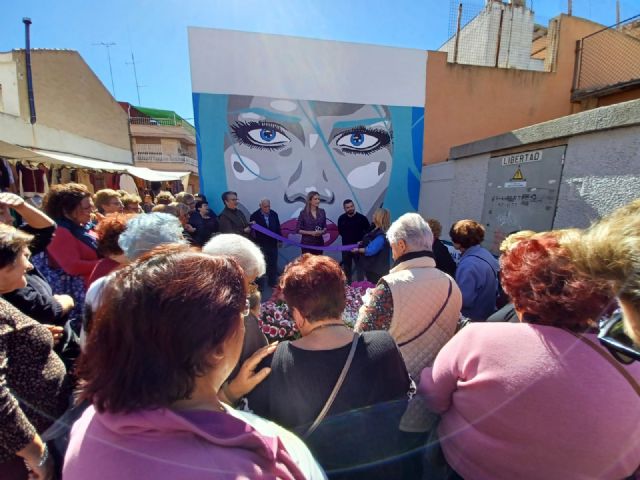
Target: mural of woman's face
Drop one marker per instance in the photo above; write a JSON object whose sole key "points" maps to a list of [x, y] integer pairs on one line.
{"points": [[283, 149]]}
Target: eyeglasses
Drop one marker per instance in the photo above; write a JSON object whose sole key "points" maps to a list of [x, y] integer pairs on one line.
{"points": [[614, 338]]}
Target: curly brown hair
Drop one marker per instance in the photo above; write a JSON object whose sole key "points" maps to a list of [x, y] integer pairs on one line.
{"points": [[61, 200], [109, 230], [467, 233]]}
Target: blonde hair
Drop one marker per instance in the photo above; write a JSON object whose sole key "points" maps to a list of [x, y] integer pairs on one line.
{"points": [[164, 198], [104, 196], [610, 250], [511, 240], [129, 198], [382, 219]]}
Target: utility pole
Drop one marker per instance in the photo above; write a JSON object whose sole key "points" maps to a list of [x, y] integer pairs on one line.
{"points": [[135, 76], [108, 47], [618, 14]]}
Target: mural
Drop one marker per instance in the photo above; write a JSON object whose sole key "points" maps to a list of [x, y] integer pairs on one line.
{"points": [[343, 119], [282, 149]]}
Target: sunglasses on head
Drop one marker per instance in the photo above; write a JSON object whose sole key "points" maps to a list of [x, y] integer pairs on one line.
{"points": [[615, 339]]}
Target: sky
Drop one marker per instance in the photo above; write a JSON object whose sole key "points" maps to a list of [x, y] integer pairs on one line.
{"points": [[155, 31]]}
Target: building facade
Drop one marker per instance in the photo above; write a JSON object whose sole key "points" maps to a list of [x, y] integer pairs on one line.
{"points": [[163, 141]]}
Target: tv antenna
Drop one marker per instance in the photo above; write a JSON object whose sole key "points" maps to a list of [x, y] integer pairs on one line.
{"points": [[108, 46], [135, 76]]}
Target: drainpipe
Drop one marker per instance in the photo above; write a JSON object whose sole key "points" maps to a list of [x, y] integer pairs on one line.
{"points": [[32, 103], [457, 41]]}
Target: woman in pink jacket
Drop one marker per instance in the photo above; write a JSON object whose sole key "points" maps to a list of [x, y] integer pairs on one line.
{"points": [[74, 245], [158, 352], [538, 399]]}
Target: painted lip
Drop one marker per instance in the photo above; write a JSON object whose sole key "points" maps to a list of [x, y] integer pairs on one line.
{"points": [[290, 227]]}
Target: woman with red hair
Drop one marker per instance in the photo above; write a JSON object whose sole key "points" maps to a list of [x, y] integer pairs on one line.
{"points": [[108, 231], [541, 398], [344, 392]]}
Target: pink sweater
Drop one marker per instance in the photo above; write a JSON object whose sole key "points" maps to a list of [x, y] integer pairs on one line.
{"points": [[527, 401], [194, 445]]}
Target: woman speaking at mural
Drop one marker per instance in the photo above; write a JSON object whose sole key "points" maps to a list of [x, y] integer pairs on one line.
{"points": [[312, 224], [284, 149]]}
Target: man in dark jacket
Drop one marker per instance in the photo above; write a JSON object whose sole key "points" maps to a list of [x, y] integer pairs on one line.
{"points": [[444, 260], [268, 219], [231, 219], [352, 227]]}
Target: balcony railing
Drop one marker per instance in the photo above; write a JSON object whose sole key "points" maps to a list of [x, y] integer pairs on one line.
{"points": [[166, 122], [165, 158]]}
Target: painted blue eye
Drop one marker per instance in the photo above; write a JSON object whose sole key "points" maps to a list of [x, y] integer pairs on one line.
{"points": [[356, 139], [267, 136], [359, 140]]}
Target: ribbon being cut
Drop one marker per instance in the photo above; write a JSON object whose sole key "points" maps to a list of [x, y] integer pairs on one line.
{"points": [[334, 248]]}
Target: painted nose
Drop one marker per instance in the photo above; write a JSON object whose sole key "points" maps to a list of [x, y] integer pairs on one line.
{"points": [[310, 175]]}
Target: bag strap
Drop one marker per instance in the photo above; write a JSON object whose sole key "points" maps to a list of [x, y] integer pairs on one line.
{"points": [[632, 381], [336, 388], [436, 316], [485, 261]]}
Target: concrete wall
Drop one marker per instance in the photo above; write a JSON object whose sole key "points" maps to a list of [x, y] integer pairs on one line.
{"points": [[465, 103], [70, 97], [454, 190], [9, 102], [601, 167], [601, 172], [478, 43]]}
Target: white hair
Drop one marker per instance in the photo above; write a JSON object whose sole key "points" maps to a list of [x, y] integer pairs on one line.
{"points": [[145, 232], [241, 249], [411, 228], [262, 200]]}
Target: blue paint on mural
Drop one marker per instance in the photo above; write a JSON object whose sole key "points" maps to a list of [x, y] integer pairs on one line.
{"points": [[282, 149]]}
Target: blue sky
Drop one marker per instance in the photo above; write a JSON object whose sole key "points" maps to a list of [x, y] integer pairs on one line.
{"points": [[156, 31]]}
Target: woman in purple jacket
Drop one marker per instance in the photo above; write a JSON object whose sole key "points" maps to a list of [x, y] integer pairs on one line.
{"points": [[157, 354], [312, 224]]}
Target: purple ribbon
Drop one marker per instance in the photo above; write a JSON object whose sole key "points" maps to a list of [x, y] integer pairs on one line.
{"points": [[269, 233]]}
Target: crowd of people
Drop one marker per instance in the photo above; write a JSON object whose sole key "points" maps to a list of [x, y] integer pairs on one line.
{"points": [[131, 347]]}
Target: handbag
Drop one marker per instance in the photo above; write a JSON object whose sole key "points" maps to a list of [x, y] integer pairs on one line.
{"points": [[334, 393]]}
